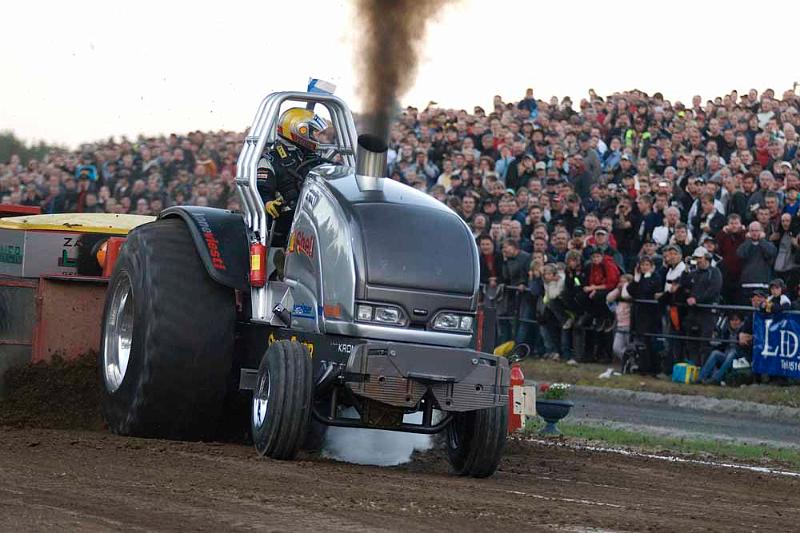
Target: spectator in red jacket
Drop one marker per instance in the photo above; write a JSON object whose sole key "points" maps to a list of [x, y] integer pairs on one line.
{"points": [[602, 276]]}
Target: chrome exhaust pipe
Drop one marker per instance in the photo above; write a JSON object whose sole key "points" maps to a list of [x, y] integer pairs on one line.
{"points": [[371, 162]]}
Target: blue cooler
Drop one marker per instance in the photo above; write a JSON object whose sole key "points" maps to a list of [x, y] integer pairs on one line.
{"points": [[685, 373]]}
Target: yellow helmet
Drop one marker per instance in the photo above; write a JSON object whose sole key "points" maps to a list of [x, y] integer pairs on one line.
{"points": [[300, 126]]}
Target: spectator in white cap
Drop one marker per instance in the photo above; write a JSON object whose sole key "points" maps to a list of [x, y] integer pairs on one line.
{"points": [[702, 286]]}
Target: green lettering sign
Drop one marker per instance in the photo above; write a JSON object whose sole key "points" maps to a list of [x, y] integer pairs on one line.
{"points": [[11, 254]]}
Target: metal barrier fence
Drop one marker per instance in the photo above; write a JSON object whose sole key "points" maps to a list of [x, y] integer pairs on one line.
{"points": [[717, 309]]}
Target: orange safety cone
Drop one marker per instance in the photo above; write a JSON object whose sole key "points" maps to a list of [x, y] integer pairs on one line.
{"points": [[516, 400]]}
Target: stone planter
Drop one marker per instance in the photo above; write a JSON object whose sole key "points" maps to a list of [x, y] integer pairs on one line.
{"points": [[552, 411]]}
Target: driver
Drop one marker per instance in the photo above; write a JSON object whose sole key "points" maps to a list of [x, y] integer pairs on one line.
{"points": [[283, 167]]}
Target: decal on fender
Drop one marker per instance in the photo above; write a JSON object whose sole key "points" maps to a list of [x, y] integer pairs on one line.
{"points": [[211, 241], [299, 242]]}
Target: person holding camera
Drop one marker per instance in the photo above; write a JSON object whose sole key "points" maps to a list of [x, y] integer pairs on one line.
{"points": [[708, 221], [626, 228], [703, 285]]}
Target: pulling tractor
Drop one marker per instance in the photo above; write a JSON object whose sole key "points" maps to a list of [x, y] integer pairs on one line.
{"points": [[374, 308]]}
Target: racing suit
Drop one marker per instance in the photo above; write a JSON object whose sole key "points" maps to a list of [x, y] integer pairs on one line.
{"points": [[281, 171]]}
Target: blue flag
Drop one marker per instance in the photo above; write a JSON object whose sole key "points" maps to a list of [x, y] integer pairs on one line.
{"points": [[316, 85]]}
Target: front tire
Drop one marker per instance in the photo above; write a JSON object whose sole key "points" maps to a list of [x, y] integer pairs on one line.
{"points": [[282, 400], [167, 340], [475, 441]]}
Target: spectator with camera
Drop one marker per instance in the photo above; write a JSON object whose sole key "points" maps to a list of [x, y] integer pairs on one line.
{"points": [[663, 234], [733, 234], [708, 221], [627, 222], [702, 285], [776, 301]]}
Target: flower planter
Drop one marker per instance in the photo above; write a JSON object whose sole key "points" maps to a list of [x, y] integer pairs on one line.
{"points": [[552, 411]]}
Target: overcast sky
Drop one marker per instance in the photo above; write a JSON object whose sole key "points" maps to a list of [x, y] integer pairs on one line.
{"points": [[79, 70]]}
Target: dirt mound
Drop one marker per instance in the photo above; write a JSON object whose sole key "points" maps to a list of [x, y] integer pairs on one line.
{"points": [[58, 395]]}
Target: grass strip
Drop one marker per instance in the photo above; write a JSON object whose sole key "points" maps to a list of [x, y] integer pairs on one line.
{"points": [[621, 438], [587, 374]]}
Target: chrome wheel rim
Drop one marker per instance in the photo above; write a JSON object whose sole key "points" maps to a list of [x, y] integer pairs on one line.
{"points": [[261, 401], [118, 334]]}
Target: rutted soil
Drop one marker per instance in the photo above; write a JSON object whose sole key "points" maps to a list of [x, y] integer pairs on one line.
{"points": [[59, 479], [59, 470]]}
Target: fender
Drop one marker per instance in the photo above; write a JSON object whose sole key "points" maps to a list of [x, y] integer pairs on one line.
{"points": [[220, 237]]}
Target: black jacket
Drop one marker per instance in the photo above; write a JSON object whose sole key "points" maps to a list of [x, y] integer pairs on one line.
{"points": [[573, 295], [704, 285], [285, 167], [646, 318], [647, 287], [515, 269], [498, 268]]}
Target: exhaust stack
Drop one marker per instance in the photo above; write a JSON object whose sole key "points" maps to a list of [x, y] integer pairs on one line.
{"points": [[371, 166]]}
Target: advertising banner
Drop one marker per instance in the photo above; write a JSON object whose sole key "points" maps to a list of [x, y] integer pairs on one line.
{"points": [[776, 344]]}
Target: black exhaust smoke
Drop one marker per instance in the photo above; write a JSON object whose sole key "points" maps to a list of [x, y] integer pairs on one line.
{"points": [[393, 34]]}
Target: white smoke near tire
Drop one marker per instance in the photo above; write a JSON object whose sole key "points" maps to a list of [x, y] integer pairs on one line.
{"points": [[372, 446]]}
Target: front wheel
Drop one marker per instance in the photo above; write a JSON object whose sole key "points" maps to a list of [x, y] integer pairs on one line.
{"points": [[282, 400], [475, 441]]}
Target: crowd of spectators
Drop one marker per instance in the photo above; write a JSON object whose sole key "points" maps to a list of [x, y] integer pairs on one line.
{"points": [[577, 208], [580, 209], [141, 177]]}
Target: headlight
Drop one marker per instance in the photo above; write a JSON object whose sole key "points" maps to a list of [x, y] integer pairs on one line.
{"points": [[446, 321], [453, 322], [388, 315], [380, 314]]}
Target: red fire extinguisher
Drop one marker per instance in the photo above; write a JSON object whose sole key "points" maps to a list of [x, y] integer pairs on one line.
{"points": [[517, 380], [258, 264]]}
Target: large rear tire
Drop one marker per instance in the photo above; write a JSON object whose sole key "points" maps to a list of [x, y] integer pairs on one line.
{"points": [[167, 340], [282, 400], [475, 441]]}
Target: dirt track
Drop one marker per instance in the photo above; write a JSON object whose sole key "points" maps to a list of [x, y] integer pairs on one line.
{"points": [[92, 481]]}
